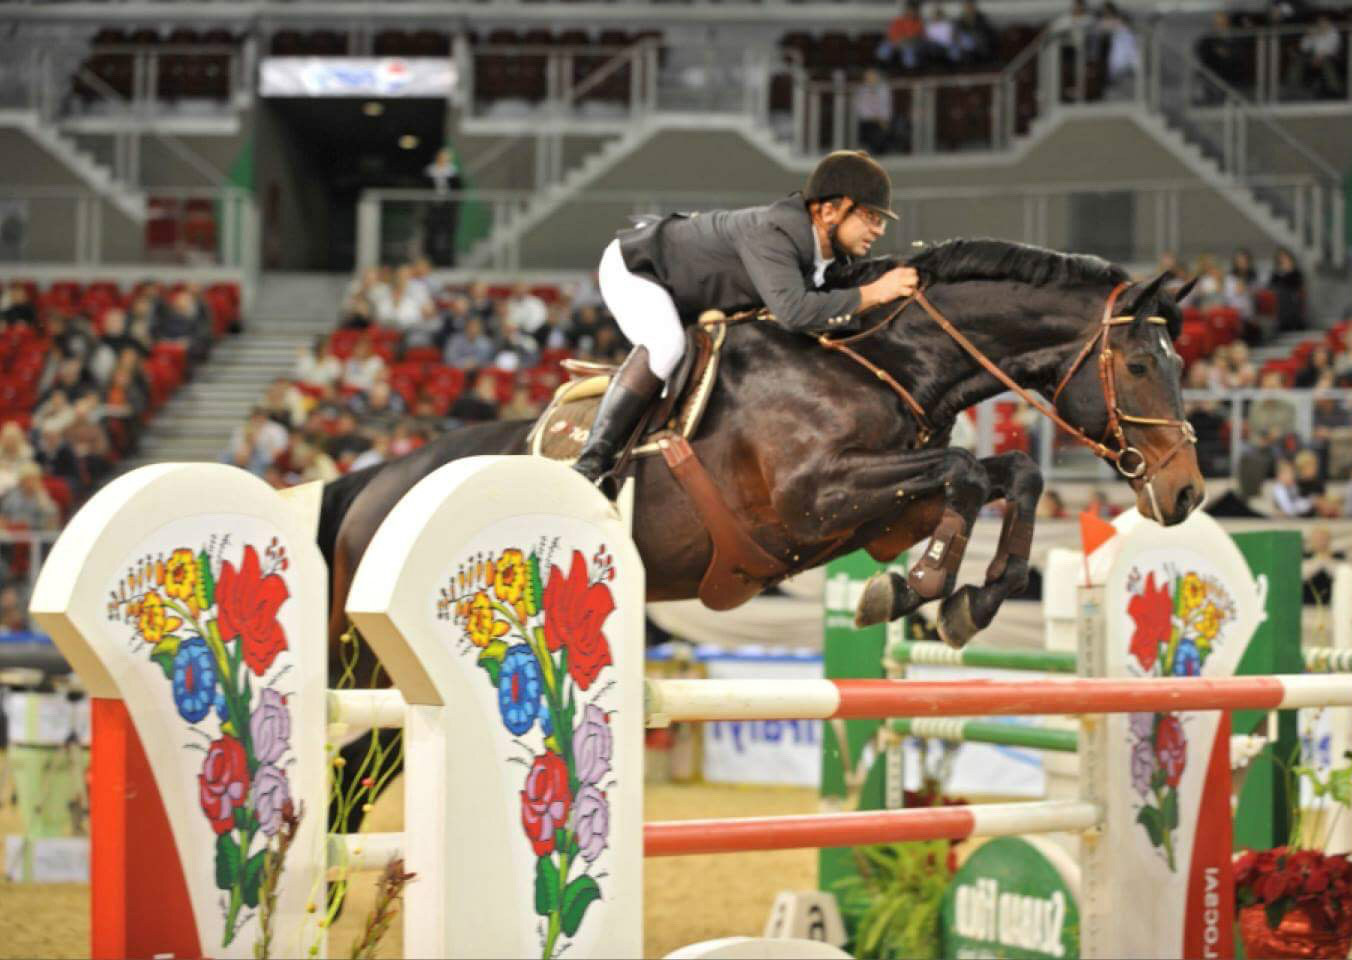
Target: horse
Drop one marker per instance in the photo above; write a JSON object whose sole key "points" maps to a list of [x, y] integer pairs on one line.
{"points": [[820, 452]]}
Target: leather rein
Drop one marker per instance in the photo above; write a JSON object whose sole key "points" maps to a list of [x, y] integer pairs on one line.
{"points": [[1121, 457]]}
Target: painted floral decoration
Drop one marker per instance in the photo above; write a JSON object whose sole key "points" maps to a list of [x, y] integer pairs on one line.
{"points": [[1178, 622], [541, 644], [211, 624]]}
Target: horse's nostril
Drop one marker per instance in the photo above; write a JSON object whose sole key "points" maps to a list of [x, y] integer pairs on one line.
{"points": [[1187, 499]]}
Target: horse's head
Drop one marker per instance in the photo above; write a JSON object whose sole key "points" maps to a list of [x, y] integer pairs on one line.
{"points": [[1123, 389]]}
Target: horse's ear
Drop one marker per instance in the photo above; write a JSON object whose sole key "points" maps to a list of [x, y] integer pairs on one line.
{"points": [[1184, 290], [1143, 300]]}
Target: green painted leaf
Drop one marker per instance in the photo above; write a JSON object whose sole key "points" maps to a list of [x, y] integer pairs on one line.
{"points": [[1149, 817], [206, 586], [227, 861], [577, 897], [1169, 810], [546, 886], [1276, 911], [491, 660], [535, 590], [253, 878]]}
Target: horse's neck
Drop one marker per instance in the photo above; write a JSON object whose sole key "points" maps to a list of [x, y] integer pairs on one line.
{"points": [[1026, 333]]}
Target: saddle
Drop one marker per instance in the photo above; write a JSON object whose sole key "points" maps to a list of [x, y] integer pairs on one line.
{"points": [[563, 428]]}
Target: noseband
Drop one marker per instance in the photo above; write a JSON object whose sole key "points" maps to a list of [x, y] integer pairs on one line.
{"points": [[1129, 460]]}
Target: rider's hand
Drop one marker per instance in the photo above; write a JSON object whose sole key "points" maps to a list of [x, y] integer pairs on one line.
{"points": [[892, 285]]}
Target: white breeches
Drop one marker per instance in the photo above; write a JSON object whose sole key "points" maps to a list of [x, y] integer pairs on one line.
{"points": [[644, 312]]}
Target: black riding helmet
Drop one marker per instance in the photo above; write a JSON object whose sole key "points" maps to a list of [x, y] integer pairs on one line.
{"points": [[853, 174]]}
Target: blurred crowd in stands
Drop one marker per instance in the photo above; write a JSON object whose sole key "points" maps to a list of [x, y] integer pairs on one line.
{"points": [[1312, 55], [82, 370], [412, 358]]}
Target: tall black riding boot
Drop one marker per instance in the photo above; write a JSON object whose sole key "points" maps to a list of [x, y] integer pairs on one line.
{"points": [[631, 390]]}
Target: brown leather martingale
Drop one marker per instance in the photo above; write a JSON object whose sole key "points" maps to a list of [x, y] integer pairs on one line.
{"points": [[941, 557], [739, 568]]}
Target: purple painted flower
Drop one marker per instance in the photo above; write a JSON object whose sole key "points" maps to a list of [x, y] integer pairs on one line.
{"points": [[270, 727], [271, 793], [591, 822], [1142, 766], [592, 742], [1142, 725]]}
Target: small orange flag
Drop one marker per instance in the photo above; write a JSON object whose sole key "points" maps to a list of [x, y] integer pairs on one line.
{"points": [[1094, 533]]}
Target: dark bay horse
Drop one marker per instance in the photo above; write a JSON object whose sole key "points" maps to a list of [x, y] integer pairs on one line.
{"points": [[819, 457]]}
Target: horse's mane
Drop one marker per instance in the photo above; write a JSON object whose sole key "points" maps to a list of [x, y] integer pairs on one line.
{"points": [[954, 261]]}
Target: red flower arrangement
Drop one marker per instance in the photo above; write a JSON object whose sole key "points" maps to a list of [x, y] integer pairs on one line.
{"points": [[249, 602], [1294, 903]]}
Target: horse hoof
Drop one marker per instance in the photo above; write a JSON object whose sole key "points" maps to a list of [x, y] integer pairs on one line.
{"points": [[875, 603], [955, 624]]}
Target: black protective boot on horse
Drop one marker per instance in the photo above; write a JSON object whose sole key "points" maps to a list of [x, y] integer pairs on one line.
{"points": [[627, 398]]}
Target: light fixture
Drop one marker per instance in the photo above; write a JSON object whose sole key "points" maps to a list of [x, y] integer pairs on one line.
{"points": [[373, 108], [408, 142]]}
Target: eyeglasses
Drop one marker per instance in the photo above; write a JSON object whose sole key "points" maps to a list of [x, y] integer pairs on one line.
{"points": [[871, 217]]}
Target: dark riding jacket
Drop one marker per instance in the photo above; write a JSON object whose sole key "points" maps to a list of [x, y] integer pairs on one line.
{"points": [[734, 260]]}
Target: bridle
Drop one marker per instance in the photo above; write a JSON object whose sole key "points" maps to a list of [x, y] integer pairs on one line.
{"points": [[1129, 460]]}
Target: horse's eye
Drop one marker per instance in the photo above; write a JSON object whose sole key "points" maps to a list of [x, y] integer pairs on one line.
{"points": [[1136, 369]]}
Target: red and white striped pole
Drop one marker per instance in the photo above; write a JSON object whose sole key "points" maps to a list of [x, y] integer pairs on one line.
{"points": [[674, 700], [687, 837]]}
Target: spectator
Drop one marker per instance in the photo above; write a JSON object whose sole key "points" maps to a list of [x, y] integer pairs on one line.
{"points": [[1241, 267], [1288, 283], [1317, 70], [182, 320], [71, 378], [16, 307], [520, 406], [407, 306], [470, 348], [1319, 566], [1224, 55], [287, 405], [454, 319], [13, 610], [941, 37], [316, 367], [556, 333], [525, 311], [374, 455], [873, 111], [55, 413], [518, 349], [1213, 452], [903, 46], [88, 440], [1286, 495], [974, 34], [480, 303], [1272, 418], [1098, 505], [1236, 370], [404, 438], [15, 454], [443, 214], [263, 435], [364, 367], [1124, 52], [54, 455], [479, 404], [28, 504], [380, 405], [587, 321], [1317, 364]]}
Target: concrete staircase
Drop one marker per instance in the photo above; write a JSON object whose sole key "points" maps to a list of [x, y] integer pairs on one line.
{"points": [[130, 200], [290, 311]]}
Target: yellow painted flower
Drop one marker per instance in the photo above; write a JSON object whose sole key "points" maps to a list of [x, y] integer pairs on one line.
{"points": [[1210, 621], [154, 623], [509, 579], [1194, 592], [181, 575], [482, 626]]}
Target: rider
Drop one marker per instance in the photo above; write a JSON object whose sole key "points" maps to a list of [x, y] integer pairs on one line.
{"points": [[657, 274]]}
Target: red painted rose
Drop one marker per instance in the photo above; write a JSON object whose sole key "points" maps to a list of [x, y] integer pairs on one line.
{"points": [[1152, 609], [1171, 747], [545, 801], [248, 602], [574, 613], [223, 783]]}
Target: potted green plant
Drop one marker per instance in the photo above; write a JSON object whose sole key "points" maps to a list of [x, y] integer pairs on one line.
{"points": [[892, 905]]}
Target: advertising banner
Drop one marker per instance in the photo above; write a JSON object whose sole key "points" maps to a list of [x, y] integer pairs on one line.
{"points": [[356, 77]]}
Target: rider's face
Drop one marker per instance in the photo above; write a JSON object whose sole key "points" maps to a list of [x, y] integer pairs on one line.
{"points": [[859, 228]]}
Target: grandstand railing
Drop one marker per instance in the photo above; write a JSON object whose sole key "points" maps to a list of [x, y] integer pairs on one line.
{"points": [[1272, 49], [80, 227], [391, 223]]}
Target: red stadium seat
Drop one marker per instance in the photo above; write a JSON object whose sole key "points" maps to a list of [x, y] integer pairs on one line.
{"points": [[60, 493], [422, 355], [1265, 302]]}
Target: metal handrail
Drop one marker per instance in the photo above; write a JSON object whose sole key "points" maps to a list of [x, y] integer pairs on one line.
{"points": [[627, 54], [1250, 112]]}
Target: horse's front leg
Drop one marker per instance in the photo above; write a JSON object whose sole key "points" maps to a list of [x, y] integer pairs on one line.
{"points": [[970, 609], [879, 489]]}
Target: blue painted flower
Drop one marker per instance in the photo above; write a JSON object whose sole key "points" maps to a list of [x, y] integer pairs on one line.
{"points": [[222, 711], [194, 680], [519, 687], [1187, 661]]}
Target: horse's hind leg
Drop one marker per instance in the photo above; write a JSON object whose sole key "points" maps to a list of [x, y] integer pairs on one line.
{"points": [[1015, 477], [961, 481]]}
